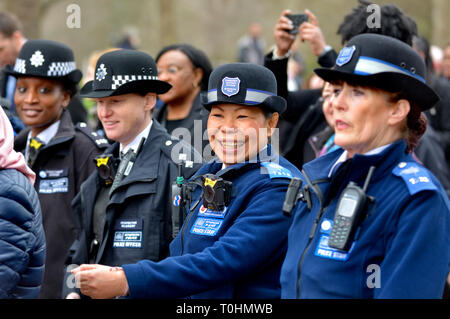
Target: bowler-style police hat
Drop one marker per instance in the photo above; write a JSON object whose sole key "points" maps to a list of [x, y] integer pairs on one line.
{"points": [[382, 62], [244, 84], [45, 59], [122, 72]]}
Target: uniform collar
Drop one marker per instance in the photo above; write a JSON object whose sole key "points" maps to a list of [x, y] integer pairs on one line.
{"points": [[47, 134], [344, 156], [319, 168], [137, 140]]}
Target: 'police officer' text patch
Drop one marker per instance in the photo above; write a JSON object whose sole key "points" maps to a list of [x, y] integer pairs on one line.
{"points": [[206, 226]]}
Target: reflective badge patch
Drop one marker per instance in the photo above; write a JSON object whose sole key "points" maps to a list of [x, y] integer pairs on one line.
{"points": [[276, 171], [206, 226], [206, 212], [37, 59], [325, 251], [230, 86], [128, 233], [345, 55], [101, 73], [53, 186]]}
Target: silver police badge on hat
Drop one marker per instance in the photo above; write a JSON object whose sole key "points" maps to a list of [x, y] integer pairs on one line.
{"points": [[37, 59], [345, 55], [230, 86], [101, 72]]}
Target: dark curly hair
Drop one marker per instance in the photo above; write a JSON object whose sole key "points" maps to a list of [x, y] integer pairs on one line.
{"points": [[394, 23]]}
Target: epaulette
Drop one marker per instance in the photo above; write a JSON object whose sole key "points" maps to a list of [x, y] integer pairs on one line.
{"points": [[276, 171], [100, 141], [180, 155], [415, 177]]}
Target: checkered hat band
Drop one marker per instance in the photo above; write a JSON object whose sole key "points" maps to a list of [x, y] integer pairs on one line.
{"points": [[119, 80], [20, 66], [61, 68]]}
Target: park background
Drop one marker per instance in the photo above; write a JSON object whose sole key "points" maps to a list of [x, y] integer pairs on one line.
{"points": [[214, 26]]}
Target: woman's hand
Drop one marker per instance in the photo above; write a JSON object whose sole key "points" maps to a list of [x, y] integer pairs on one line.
{"points": [[101, 282]]}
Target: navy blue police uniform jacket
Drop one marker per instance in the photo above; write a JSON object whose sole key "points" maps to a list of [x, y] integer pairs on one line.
{"points": [[236, 253], [401, 249]]}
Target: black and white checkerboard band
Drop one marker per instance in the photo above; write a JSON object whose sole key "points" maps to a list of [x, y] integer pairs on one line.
{"points": [[61, 68], [119, 80], [55, 69], [20, 66]]}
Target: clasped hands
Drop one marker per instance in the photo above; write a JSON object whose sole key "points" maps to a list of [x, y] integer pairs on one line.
{"points": [[100, 282]]}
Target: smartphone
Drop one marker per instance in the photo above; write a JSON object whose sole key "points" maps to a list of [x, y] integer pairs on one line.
{"points": [[297, 20]]}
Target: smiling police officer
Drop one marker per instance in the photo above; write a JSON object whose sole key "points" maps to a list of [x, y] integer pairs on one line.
{"points": [[58, 152], [124, 208], [233, 241]]}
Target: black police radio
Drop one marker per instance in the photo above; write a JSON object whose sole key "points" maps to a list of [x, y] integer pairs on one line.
{"points": [[351, 210]]}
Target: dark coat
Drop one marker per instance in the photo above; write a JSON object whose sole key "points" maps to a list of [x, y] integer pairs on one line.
{"points": [[301, 117], [198, 112], [142, 199], [61, 167], [22, 238]]}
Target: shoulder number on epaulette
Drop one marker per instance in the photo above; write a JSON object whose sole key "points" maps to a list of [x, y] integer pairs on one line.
{"points": [[100, 141], [276, 171], [415, 176]]}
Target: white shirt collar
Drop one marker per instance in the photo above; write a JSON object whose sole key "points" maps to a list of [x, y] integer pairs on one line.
{"points": [[135, 143], [47, 134], [344, 156]]}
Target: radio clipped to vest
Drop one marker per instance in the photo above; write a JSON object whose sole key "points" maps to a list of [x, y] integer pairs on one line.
{"points": [[350, 212]]}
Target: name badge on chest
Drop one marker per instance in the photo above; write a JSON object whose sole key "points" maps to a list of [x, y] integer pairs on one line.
{"points": [[128, 233], [53, 181], [324, 250]]}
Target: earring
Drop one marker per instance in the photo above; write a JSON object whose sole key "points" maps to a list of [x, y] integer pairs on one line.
{"points": [[194, 85]]}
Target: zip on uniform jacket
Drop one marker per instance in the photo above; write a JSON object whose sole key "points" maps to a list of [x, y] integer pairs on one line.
{"points": [[313, 230]]}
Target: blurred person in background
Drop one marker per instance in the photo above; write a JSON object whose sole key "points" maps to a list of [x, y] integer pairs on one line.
{"points": [[251, 46], [187, 69], [11, 41], [446, 62]]}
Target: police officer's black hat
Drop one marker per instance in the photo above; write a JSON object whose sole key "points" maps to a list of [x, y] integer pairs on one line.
{"points": [[46, 59], [243, 84], [122, 72], [383, 62]]}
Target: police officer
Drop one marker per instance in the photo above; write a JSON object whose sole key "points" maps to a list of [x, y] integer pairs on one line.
{"points": [[124, 208], [377, 224], [59, 153], [233, 240]]}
